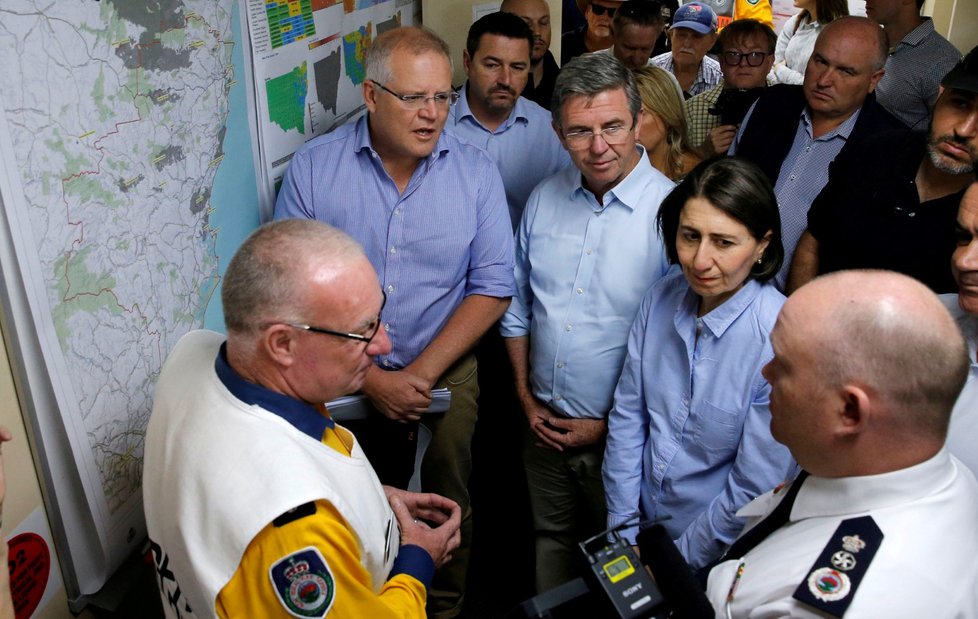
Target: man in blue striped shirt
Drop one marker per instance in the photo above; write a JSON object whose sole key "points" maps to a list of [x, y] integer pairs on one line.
{"points": [[431, 214], [794, 132]]}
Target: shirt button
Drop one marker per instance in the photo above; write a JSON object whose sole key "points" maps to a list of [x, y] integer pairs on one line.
{"points": [[567, 328], [393, 250], [390, 289], [808, 149], [560, 365], [580, 291], [387, 327], [387, 362], [587, 251], [911, 214], [558, 397], [792, 177]]}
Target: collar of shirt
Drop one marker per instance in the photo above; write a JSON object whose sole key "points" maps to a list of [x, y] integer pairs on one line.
{"points": [[916, 36], [462, 111], [842, 130], [362, 141], [821, 496], [628, 191], [723, 316], [304, 417]]}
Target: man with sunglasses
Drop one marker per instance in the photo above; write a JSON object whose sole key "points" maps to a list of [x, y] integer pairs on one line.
{"points": [[431, 214], [595, 34], [746, 57], [587, 250], [257, 503]]}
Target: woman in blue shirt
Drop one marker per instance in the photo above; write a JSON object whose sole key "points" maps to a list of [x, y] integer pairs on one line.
{"points": [[688, 435]]}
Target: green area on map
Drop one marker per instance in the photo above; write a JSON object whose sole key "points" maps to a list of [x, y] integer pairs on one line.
{"points": [[287, 99]]}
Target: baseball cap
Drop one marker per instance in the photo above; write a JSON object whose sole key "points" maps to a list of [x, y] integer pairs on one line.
{"points": [[964, 75], [695, 16]]}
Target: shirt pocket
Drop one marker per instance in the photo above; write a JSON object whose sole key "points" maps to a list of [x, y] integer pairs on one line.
{"points": [[714, 428]]}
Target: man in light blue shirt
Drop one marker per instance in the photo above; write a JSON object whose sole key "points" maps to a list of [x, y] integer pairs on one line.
{"points": [[587, 250], [491, 114], [431, 215]]}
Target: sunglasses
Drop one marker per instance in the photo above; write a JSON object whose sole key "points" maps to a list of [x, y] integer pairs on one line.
{"points": [[599, 10]]}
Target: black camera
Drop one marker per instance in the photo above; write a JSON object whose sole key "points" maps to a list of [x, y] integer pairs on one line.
{"points": [[733, 104]]}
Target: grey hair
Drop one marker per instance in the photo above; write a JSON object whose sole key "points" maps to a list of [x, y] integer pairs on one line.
{"points": [[415, 39], [588, 76], [265, 279]]}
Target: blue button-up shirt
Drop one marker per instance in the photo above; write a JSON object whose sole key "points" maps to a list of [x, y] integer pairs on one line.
{"points": [[689, 435], [803, 175], [525, 147], [582, 268], [446, 237]]}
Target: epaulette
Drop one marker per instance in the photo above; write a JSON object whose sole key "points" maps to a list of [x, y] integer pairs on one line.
{"points": [[296, 513], [839, 570]]}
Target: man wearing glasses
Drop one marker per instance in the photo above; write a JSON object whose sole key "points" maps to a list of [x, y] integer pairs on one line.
{"points": [[587, 250], [746, 57], [431, 214], [257, 503]]}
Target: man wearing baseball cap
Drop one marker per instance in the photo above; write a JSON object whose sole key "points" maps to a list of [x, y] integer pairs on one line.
{"points": [[595, 35], [692, 34]]}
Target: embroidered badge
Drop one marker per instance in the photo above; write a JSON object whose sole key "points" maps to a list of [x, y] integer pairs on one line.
{"points": [[303, 583], [843, 560], [852, 543], [832, 589], [828, 585]]}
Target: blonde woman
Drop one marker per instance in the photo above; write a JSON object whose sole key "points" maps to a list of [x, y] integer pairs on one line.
{"points": [[797, 38], [663, 131]]}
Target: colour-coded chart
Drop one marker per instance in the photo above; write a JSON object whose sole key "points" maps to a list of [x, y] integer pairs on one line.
{"points": [[289, 21]]}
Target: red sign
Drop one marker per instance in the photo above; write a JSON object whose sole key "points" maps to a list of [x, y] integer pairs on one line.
{"points": [[30, 564]]}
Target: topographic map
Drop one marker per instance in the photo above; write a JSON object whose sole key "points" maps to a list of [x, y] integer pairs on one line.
{"points": [[128, 126]]}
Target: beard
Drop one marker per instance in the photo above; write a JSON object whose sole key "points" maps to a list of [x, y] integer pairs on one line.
{"points": [[946, 164]]}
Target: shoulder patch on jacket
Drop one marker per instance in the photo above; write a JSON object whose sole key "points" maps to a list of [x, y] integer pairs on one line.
{"points": [[303, 583], [839, 570]]}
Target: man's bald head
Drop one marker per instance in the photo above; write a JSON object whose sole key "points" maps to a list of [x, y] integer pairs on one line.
{"points": [[889, 333], [268, 277]]}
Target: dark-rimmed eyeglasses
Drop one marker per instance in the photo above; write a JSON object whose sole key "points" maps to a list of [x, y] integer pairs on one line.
{"points": [[754, 59], [367, 336], [416, 102], [615, 134], [599, 10]]}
